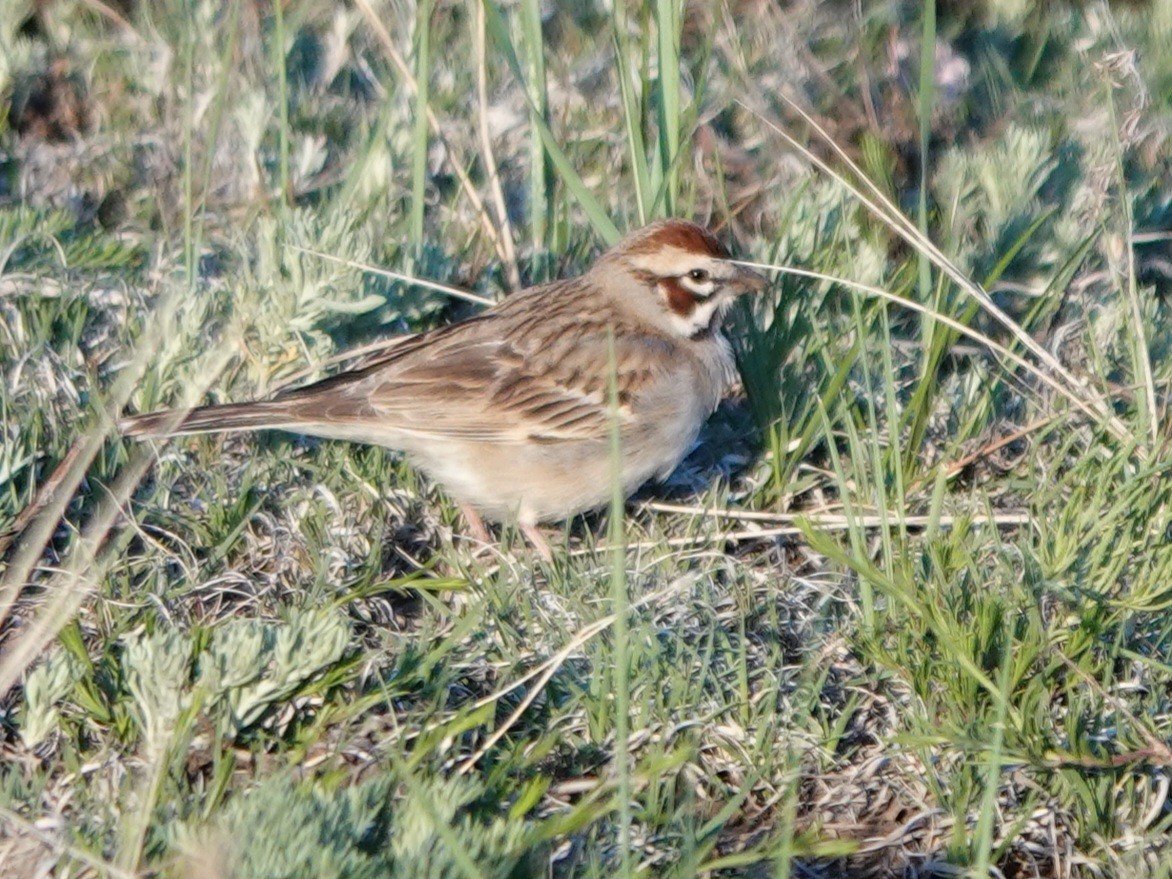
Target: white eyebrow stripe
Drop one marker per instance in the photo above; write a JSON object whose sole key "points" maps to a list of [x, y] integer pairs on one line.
{"points": [[675, 261]]}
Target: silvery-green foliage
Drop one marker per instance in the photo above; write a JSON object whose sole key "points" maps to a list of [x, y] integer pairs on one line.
{"points": [[419, 849], [300, 289], [234, 658], [15, 53], [989, 197], [422, 828], [157, 670], [824, 220], [250, 119], [44, 689], [253, 666], [995, 184], [247, 668]]}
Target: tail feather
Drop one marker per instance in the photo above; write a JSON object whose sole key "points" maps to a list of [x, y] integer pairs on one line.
{"points": [[209, 419]]}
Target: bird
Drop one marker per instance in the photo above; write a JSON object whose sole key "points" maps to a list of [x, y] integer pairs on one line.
{"points": [[511, 410]]}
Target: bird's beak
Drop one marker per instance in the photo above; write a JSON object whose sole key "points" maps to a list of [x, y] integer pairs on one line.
{"points": [[749, 281]]}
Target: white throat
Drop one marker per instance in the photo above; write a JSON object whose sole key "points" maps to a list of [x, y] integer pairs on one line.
{"points": [[701, 318]]}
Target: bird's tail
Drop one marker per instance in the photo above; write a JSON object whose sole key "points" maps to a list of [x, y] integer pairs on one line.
{"points": [[209, 419]]}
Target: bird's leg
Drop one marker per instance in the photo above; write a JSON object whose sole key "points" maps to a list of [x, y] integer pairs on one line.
{"points": [[478, 532], [533, 535]]}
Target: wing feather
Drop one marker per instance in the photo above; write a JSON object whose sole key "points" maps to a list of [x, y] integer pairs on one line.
{"points": [[514, 374]]}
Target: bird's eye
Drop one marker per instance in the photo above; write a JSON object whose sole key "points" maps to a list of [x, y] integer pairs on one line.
{"points": [[698, 274]]}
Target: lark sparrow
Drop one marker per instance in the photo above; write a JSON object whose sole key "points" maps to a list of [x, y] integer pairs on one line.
{"points": [[509, 410]]}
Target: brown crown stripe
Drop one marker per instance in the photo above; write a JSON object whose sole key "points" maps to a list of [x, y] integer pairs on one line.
{"points": [[677, 233]]}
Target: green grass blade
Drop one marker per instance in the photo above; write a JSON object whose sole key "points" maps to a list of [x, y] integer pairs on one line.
{"points": [[602, 223]]}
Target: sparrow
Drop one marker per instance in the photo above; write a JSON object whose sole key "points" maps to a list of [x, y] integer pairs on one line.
{"points": [[510, 411]]}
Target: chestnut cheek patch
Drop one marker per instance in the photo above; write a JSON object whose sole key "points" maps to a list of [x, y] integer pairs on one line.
{"points": [[678, 299]]}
